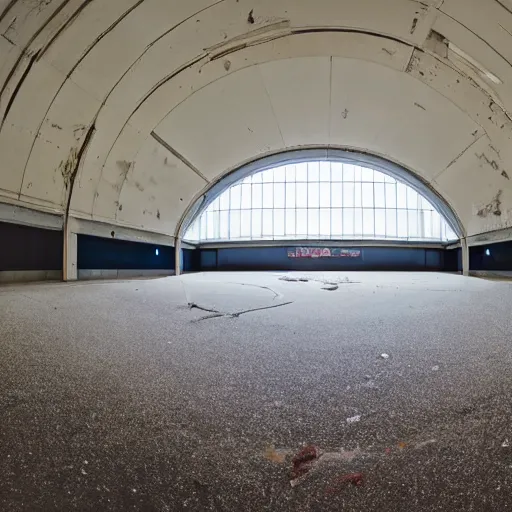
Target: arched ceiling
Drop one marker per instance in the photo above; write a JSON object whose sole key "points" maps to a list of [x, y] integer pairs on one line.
{"points": [[125, 111]]}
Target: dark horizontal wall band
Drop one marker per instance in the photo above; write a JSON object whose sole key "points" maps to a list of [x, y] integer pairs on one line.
{"points": [[95, 253], [276, 258], [496, 256], [29, 248]]}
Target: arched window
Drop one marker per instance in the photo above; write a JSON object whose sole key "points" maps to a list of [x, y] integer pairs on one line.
{"points": [[319, 200]]}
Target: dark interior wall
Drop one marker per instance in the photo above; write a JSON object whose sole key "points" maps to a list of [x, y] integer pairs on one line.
{"points": [[276, 258], [491, 257], [104, 253], [191, 260], [28, 248]]}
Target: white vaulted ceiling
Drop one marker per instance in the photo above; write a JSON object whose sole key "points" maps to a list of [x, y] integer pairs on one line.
{"points": [[124, 111]]}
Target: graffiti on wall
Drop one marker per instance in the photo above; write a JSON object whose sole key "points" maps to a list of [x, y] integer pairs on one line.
{"points": [[323, 252]]}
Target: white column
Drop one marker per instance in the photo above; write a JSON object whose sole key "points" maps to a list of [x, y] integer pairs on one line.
{"points": [[465, 256], [69, 267], [177, 264]]}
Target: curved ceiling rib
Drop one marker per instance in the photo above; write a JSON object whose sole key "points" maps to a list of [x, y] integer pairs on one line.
{"points": [[85, 83]]}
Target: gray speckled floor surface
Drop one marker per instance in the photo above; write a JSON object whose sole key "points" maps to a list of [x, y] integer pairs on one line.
{"points": [[119, 396]]}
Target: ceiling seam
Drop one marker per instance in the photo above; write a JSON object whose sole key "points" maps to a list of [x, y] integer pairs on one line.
{"points": [[179, 156], [262, 78], [457, 157], [479, 37]]}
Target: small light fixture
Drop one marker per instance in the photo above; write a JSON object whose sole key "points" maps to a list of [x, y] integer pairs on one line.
{"points": [[487, 252], [157, 252]]}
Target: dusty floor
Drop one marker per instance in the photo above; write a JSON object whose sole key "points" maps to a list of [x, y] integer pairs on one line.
{"points": [[119, 396]]}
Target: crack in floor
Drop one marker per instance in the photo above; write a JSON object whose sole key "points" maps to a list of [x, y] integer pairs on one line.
{"points": [[218, 314]]}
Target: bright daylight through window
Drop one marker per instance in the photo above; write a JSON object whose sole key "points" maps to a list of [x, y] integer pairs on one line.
{"points": [[320, 200]]}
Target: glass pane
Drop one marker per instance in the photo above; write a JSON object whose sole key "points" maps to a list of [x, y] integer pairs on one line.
{"points": [[325, 222], [268, 195], [358, 194], [367, 174], [313, 171], [268, 227], [290, 172], [234, 224], [401, 195], [290, 195], [209, 226], [378, 177], [224, 225], [390, 196], [246, 196], [302, 172], [313, 222], [256, 223], [348, 222], [325, 171], [337, 194], [268, 176], [290, 222], [412, 198], [358, 222], [203, 230], [279, 195], [348, 195], [348, 172], [426, 224], [313, 195], [336, 222], [380, 200], [368, 223], [402, 223], [224, 201], [257, 198], [391, 223], [279, 222], [302, 222], [301, 197], [236, 196], [325, 195], [380, 222], [245, 229], [280, 174], [257, 178], [336, 171], [413, 224], [367, 189]]}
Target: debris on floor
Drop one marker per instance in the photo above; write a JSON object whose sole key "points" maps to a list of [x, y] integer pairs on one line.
{"points": [[303, 463], [401, 445], [505, 444], [289, 279], [277, 456], [342, 482], [354, 419], [384, 356], [435, 368], [425, 443], [330, 288]]}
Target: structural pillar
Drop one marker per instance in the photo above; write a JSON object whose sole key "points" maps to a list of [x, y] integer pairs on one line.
{"points": [[178, 258], [465, 256], [69, 265]]}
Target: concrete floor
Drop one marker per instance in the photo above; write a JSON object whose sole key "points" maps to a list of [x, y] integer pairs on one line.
{"points": [[119, 396]]}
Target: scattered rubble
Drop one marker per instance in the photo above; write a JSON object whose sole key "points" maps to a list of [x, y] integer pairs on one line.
{"points": [[354, 419], [384, 356], [356, 479]]}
